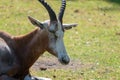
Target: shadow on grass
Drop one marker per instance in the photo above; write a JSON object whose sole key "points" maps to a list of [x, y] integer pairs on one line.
{"points": [[114, 1], [111, 8]]}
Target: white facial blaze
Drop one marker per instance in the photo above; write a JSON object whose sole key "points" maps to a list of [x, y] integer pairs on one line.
{"points": [[60, 48], [56, 43]]}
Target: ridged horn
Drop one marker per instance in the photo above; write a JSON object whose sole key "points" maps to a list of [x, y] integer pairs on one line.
{"points": [[49, 9], [62, 10]]}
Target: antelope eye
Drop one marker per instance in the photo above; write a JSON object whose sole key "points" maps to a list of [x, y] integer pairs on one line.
{"points": [[52, 31], [56, 36], [56, 25]]}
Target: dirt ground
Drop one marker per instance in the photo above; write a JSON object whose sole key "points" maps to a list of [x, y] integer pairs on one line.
{"points": [[44, 63]]}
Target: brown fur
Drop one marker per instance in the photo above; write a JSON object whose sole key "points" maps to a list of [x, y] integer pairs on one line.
{"points": [[27, 48]]}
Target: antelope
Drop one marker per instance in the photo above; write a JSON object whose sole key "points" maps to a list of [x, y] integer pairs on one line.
{"points": [[21, 52]]}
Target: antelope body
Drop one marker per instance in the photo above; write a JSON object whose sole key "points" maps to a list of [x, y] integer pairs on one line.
{"points": [[21, 52]]}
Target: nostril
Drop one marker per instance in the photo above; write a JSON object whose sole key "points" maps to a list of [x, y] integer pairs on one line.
{"points": [[65, 60]]}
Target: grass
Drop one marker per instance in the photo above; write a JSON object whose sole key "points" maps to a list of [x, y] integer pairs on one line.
{"points": [[95, 41]]}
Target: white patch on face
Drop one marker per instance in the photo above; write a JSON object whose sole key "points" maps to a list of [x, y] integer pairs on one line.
{"points": [[56, 44], [60, 48]]}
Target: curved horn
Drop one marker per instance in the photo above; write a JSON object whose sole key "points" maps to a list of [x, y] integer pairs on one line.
{"points": [[62, 10], [49, 9]]}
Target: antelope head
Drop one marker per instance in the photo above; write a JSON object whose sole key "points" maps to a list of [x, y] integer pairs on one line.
{"points": [[55, 30]]}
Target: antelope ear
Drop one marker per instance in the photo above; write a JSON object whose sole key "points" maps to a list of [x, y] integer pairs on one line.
{"points": [[36, 22], [69, 26]]}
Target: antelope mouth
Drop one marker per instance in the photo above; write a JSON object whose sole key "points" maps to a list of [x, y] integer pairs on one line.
{"points": [[64, 60]]}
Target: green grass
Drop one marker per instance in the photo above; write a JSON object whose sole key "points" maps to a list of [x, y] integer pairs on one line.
{"points": [[94, 41]]}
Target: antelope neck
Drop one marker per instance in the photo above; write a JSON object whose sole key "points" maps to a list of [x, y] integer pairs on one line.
{"points": [[31, 46]]}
